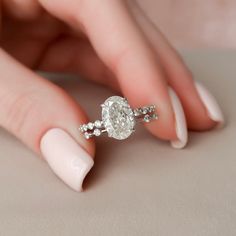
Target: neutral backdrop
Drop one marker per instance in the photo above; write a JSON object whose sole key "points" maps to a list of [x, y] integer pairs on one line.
{"points": [[195, 23], [140, 186]]}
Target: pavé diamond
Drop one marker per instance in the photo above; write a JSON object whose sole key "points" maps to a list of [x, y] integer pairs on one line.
{"points": [[97, 132], [118, 117], [145, 110], [86, 135], [98, 123], [147, 118], [85, 127], [90, 125]]}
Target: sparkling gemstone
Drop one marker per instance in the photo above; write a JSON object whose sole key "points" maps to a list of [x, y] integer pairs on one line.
{"points": [[84, 127], [86, 135], [136, 112], [90, 125], [145, 110], [118, 117], [151, 108], [98, 123], [147, 118], [97, 132], [154, 117]]}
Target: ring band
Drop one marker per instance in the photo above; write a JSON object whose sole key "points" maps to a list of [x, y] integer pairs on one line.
{"points": [[118, 119]]}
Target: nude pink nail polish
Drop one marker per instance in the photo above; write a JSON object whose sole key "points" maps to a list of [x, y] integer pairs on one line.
{"points": [[180, 121], [66, 157], [210, 103]]}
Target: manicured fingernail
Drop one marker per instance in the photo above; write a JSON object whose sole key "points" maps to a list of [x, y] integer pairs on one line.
{"points": [[210, 103], [67, 159], [180, 121]]}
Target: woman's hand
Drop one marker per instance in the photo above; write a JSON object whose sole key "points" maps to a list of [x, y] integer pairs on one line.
{"points": [[111, 42]]}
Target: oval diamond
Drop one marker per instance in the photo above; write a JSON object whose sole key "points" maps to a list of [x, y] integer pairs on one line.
{"points": [[118, 117]]}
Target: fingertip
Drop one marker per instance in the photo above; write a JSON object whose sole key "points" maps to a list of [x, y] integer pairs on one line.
{"points": [[171, 125], [163, 127]]}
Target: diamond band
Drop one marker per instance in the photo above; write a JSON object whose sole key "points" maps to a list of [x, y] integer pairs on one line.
{"points": [[118, 119]]}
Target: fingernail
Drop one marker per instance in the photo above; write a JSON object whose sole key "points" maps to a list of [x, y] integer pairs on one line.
{"points": [[67, 159], [210, 103], [180, 121]]}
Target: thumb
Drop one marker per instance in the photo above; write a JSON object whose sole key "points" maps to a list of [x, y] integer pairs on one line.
{"points": [[46, 119]]}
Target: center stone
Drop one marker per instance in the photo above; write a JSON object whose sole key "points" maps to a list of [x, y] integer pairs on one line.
{"points": [[118, 117]]}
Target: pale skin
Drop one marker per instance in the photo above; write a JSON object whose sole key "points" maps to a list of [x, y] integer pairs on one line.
{"points": [[115, 37]]}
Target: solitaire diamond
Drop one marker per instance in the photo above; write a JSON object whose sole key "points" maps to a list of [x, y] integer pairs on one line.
{"points": [[118, 117]]}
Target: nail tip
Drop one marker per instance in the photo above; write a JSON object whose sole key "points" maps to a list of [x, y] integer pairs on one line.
{"points": [[78, 189], [213, 109], [220, 120], [218, 117], [180, 122], [220, 124], [79, 186], [178, 144]]}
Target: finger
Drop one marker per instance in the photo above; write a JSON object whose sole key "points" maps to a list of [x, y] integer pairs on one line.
{"points": [[201, 109], [22, 9], [46, 119], [131, 58], [125, 52], [78, 57]]}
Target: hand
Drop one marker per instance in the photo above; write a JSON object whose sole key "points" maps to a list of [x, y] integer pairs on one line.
{"points": [[128, 53]]}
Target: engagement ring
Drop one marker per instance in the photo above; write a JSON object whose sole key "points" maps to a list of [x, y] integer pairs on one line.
{"points": [[118, 119]]}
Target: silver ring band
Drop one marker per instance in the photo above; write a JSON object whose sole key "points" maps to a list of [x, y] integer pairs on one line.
{"points": [[118, 119]]}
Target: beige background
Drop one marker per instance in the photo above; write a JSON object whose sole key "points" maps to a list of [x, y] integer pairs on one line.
{"points": [[195, 23], [138, 187]]}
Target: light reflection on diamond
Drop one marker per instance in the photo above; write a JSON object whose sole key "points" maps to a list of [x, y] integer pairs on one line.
{"points": [[118, 117]]}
